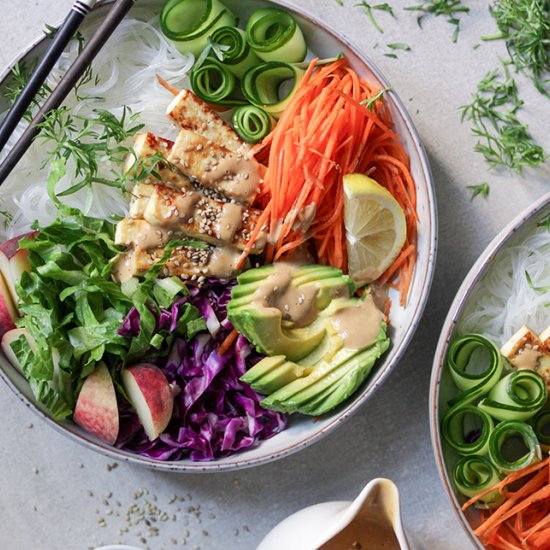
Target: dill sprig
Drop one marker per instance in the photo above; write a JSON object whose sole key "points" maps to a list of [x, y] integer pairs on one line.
{"points": [[502, 139], [481, 190], [90, 143], [525, 27], [368, 8], [447, 8], [20, 74]]}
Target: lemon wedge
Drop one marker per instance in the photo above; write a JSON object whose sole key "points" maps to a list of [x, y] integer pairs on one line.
{"points": [[376, 228]]}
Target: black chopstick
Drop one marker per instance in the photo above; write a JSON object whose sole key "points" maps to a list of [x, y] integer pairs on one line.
{"points": [[59, 42], [116, 14]]}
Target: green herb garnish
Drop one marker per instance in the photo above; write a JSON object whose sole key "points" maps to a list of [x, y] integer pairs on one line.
{"points": [[545, 222], [525, 27], [447, 8], [369, 11], [370, 103], [89, 142], [399, 46], [539, 289], [502, 139], [482, 189]]}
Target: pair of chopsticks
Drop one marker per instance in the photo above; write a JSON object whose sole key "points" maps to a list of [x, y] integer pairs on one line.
{"points": [[62, 37]]}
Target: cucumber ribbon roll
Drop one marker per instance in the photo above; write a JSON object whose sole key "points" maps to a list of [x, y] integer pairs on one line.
{"points": [[541, 427], [252, 123], [513, 429], [460, 357], [518, 396], [467, 430], [189, 23], [275, 36], [474, 474], [214, 83], [261, 85], [237, 54]]}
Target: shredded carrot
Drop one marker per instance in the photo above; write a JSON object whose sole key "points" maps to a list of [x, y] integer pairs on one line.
{"points": [[522, 521], [228, 342], [326, 132], [169, 87]]}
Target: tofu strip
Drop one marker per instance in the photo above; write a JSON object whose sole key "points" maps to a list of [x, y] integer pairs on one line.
{"points": [[185, 261], [147, 145], [235, 175], [192, 214], [188, 112]]}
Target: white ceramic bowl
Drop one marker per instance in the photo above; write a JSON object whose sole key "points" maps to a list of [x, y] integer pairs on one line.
{"points": [[302, 431], [442, 387]]}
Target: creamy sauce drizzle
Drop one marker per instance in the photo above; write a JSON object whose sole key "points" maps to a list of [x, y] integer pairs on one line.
{"points": [[365, 532], [235, 174], [185, 204], [358, 325], [230, 220], [223, 262], [528, 359], [296, 304], [123, 268]]}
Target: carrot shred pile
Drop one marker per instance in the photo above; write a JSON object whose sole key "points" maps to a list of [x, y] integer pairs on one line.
{"points": [[522, 521], [324, 133]]}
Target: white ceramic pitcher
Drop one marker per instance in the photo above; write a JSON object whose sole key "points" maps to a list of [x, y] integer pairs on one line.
{"points": [[375, 512]]}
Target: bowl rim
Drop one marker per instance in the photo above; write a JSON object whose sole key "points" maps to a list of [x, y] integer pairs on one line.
{"points": [[457, 307], [380, 375]]}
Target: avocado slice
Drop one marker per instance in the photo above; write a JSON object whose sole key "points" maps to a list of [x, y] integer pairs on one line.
{"points": [[264, 325], [265, 329], [330, 382], [269, 378]]}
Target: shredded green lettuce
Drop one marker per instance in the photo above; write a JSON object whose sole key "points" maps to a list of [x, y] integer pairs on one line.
{"points": [[73, 309]]}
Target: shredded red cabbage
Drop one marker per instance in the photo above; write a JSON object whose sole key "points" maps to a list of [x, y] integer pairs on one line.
{"points": [[215, 414]]}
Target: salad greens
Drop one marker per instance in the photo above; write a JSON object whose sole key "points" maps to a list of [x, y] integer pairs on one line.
{"points": [[73, 310]]}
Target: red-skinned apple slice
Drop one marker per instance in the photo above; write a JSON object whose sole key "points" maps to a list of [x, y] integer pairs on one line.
{"points": [[150, 395], [13, 261], [8, 311], [96, 408], [10, 337]]}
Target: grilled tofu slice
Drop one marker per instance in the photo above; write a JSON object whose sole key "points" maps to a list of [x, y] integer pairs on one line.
{"points": [[185, 261], [526, 350], [188, 112], [147, 145], [235, 175], [190, 213]]}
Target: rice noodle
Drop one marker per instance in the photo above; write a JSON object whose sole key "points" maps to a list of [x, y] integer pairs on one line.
{"points": [[503, 300], [126, 70]]}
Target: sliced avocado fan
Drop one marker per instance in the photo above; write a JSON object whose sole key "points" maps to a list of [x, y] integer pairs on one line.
{"points": [[311, 368]]}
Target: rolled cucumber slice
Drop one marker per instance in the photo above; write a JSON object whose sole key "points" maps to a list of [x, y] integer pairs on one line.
{"points": [[189, 23], [214, 83], [252, 123], [505, 431], [238, 56], [275, 36], [262, 85], [518, 396], [474, 474]]}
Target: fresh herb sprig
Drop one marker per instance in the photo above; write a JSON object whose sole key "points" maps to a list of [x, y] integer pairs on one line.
{"points": [[525, 27], [369, 8], [481, 190], [450, 9], [502, 138], [90, 143]]}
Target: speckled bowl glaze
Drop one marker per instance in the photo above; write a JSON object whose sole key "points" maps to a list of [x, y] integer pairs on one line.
{"points": [[442, 387], [302, 431]]}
